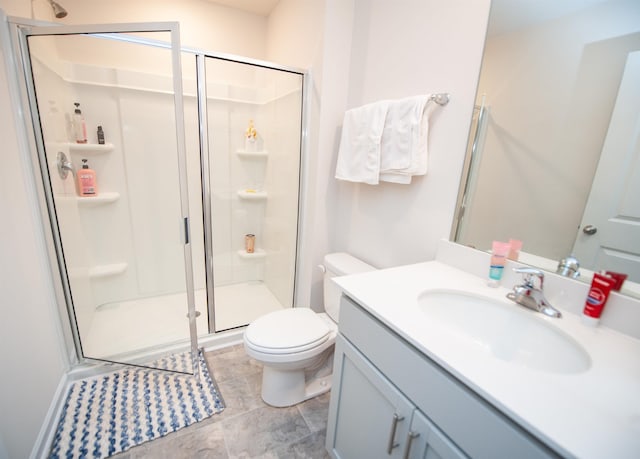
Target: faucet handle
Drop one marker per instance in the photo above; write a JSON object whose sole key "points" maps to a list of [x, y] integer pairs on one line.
{"points": [[569, 266], [528, 273]]}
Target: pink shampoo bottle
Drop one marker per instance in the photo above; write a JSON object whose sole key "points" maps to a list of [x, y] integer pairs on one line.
{"points": [[87, 185]]}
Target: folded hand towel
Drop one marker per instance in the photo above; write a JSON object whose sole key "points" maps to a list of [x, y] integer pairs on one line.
{"points": [[359, 153], [395, 177], [404, 140]]}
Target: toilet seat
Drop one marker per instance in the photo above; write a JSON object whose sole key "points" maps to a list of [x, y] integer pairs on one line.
{"points": [[287, 331]]}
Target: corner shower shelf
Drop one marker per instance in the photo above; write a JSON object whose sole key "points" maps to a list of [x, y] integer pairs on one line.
{"points": [[102, 198], [252, 195], [107, 270], [252, 154], [92, 201], [259, 253], [90, 147]]}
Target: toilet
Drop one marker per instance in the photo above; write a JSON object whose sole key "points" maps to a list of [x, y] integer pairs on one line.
{"points": [[295, 345]]}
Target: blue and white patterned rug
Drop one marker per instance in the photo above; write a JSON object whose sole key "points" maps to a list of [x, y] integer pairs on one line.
{"points": [[107, 414]]}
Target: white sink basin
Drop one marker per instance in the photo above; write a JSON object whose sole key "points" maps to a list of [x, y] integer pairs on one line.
{"points": [[506, 330]]}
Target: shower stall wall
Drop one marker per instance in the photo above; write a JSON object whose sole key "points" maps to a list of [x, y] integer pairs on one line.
{"points": [[122, 250]]}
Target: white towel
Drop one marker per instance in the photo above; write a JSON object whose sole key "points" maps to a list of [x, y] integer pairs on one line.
{"points": [[403, 152], [359, 152]]}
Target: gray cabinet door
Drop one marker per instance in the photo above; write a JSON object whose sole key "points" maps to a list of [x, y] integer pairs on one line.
{"points": [[369, 417], [426, 441]]}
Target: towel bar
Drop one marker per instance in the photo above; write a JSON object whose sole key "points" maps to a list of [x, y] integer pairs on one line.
{"points": [[440, 98]]}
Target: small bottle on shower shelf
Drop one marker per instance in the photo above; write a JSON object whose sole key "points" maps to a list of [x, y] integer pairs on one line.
{"points": [[249, 243], [79, 127], [54, 125], [100, 134], [251, 137]]}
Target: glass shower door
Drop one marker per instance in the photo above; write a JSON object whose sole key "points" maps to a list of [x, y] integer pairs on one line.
{"points": [[123, 251], [251, 176]]}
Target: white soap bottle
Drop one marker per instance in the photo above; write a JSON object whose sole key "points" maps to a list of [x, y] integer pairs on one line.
{"points": [[54, 125], [79, 127]]}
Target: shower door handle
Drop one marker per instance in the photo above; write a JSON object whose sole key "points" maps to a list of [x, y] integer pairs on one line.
{"points": [[186, 230]]}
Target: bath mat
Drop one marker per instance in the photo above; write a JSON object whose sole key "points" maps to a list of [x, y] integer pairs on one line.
{"points": [[108, 414]]}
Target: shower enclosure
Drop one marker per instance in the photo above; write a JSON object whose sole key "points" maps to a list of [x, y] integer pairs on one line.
{"points": [[158, 257], [251, 183]]}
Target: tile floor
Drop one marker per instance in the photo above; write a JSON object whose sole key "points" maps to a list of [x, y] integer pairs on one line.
{"points": [[247, 428]]}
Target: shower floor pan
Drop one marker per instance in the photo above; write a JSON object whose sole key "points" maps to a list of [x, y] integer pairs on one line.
{"points": [[123, 327]]}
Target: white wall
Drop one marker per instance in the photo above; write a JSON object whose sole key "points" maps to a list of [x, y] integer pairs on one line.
{"points": [[32, 355], [204, 25], [294, 32], [400, 49], [329, 95], [313, 35], [550, 110]]}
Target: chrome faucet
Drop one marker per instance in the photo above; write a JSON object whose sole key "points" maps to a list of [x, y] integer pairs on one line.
{"points": [[529, 296]]}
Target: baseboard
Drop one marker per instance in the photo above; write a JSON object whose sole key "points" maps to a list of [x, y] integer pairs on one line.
{"points": [[47, 431], [221, 339]]}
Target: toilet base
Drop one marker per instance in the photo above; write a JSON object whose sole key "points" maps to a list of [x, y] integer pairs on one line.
{"points": [[286, 387]]}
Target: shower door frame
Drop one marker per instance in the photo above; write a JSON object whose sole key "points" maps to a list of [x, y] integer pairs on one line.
{"points": [[201, 80], [22, 29]]}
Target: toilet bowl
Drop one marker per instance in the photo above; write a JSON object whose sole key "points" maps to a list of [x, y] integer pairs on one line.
{"points": [[295, 345]]}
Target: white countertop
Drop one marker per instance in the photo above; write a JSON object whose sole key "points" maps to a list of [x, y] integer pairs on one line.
{"points": [[592, 414]]}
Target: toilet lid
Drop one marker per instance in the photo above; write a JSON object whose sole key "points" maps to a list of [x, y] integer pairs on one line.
{"points": [[289, 330]]}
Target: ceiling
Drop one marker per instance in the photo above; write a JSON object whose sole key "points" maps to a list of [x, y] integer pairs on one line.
{"points": [[510, 15], [506, 15], [260, 7]]}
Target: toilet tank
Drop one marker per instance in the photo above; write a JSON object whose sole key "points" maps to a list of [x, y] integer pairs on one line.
{"points": [[339, 264]]}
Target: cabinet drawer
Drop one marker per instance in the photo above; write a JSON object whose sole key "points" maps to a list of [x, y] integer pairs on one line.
{"points": [[478, 428]]}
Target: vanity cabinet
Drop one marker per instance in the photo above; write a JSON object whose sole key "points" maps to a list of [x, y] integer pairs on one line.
{"points": [[374, 419], [426, 441], [389, 400]]}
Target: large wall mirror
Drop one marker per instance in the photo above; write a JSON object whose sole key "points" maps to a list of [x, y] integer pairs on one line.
{"points": [[554, 149]]}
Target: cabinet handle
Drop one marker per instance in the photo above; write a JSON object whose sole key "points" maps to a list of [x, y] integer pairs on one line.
{"points": [[392, 435], [407, 449]]}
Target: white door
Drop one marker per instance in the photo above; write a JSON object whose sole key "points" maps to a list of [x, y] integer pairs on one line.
{"points": [[609, 234]]}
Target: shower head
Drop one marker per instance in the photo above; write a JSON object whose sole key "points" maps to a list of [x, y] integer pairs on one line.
{"points": [[58, 10]]}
